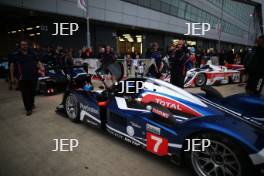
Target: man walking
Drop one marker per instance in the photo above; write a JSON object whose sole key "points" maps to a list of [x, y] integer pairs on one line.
{"points": [[27, 64]]}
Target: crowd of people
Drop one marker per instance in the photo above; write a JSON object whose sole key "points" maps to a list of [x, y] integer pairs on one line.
{"points": [[24, 63]]}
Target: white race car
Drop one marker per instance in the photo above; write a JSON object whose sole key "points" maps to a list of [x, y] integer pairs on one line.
{"points": [[211, 75]]}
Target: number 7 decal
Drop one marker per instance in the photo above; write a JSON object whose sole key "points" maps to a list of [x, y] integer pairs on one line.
{"points": [[157, 144]]}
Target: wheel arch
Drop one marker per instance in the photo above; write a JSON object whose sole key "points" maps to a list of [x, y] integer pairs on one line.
{"points": [[238, 140]]}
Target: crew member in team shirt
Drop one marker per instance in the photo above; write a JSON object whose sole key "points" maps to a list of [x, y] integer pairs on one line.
{"points": [[28, 65]]}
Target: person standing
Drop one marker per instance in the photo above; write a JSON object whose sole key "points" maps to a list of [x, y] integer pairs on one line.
{"points": [[27, 63], [254, 67], [156, 68], [178, 65], [12, 70], [109, 56]]}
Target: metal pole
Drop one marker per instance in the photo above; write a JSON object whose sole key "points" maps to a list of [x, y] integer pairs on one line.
{"points": [[88, 42], [220, 28]]}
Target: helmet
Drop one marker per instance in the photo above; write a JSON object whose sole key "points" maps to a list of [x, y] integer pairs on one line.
{"points": [[87, 87]]}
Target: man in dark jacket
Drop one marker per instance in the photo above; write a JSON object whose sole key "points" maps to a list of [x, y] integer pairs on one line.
{"points": [[178, 65], [27, 63], [254, 67], [109, 57]]}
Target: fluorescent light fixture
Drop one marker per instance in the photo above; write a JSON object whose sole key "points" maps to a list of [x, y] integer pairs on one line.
{"points": [[19, 30], [121, 39], [31, 35], [37, 26], [130, 40], [13, 32], [127, 36], [139, 40], [37, 33], [138, 36], [29, 28]]}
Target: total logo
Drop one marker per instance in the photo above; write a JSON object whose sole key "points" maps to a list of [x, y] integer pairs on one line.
{"points": [[168, 104], [130, 130]]}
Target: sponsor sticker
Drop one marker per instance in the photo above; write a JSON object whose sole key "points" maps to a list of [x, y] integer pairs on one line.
{"points": [[153, 129], [160, 113], [88, 109], [130, 130], [135, 125]]}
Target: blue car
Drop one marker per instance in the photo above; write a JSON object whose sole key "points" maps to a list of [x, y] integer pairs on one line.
{"points": [[55, 79], [199, 130]]}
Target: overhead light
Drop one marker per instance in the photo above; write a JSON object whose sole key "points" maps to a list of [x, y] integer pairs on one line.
{"points": [[127, 35], [13, 32], [19, 30], [37, 33], [138, 36], [31, 35], [30, 28], [37, 26], [130, 40], [121, 39], [139, 40]]}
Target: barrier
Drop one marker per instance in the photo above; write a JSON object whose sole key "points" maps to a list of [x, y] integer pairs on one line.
{"points": [[94, 64]]}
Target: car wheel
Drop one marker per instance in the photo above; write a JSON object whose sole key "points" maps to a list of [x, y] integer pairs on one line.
{"points": [[222, 157], [200, 79], [72, 108]]}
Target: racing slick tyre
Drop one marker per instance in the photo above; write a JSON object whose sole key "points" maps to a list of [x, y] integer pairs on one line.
{"points": [[200, 79], [72, 108], [222, 157]]}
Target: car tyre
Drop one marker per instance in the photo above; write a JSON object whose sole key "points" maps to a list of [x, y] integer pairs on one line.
{"points": [[200, 79], [222, 157], [72, 108]]}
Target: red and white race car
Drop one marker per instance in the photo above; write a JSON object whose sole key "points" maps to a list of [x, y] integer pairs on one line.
{"points": [[209, 75]]}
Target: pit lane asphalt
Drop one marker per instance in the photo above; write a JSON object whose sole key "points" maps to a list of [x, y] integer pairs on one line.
{"points": [[26, 144]]}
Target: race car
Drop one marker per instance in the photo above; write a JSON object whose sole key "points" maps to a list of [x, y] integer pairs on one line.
{"points": [[53, 79], [170, 122], [211, 75]]}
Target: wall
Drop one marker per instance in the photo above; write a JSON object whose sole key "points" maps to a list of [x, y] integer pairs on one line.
{"points": [[117, 11]]}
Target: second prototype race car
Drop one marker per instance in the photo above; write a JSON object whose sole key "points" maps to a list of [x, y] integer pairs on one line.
{"points": [[209, 75], [54, 79], [168, 121]]}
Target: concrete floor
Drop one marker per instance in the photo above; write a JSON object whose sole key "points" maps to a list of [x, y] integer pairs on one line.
{"points": [[26, 144]]}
